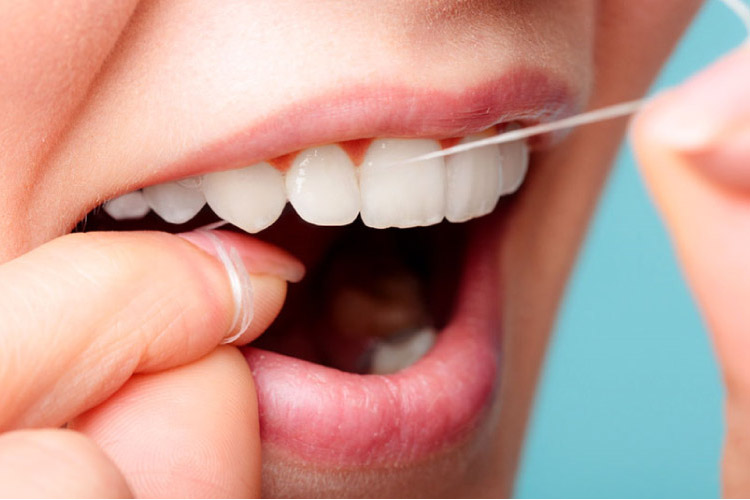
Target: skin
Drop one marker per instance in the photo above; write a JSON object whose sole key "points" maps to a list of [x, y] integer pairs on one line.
{"points": [[699, 175], [82, 76]]}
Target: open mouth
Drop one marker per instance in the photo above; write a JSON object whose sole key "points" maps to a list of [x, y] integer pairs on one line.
{"points": [[388, 349], [388, 352]]}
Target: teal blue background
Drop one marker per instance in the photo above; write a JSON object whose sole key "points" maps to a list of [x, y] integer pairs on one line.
{"points": [[630, 399]]}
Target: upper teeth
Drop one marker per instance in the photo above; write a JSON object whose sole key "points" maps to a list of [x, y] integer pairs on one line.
{"points": [[474, 182], [251, 198], [514, 157], [174, 201], [326, 189], [128, 206], [396, 195], [322, 186]]}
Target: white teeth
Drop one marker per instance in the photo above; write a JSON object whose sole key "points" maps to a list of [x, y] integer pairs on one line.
{"points": [[174, 202], [251, 198], [322, 186], [326, 188], [395, 354], [128, 206], [402, 195], [192, 182], [473, 182], [515, 163]]}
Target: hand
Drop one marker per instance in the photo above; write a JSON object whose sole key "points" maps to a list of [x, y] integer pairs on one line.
{"points": [[117, 335], [694, 147]]}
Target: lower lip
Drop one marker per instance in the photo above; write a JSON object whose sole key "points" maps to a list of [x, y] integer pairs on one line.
{"points": [[329, 417]]}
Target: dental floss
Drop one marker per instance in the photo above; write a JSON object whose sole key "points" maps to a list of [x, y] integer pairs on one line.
{"points": [[597, 115], [193, 183], [214, 225], [239, 280], [738, 7]]}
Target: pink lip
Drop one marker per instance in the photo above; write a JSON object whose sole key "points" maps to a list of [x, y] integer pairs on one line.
{"points": [[525, 94], [326, 416]]}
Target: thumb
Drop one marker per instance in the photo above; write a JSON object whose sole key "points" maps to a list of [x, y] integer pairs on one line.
{"points": [[83, 313], [694, 148]]}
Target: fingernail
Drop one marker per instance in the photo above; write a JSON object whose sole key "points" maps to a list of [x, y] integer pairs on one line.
{"points": [[259, 257], [700, 113], [239, 279]]}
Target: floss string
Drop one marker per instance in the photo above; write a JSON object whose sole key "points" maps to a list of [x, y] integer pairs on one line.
{"points": [[239, 281], [738, 7]]}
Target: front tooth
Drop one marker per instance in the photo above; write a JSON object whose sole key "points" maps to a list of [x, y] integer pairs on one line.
{"points": [[402, 195], [395, 354], [322, 186], [128, 206], [251, 198], [174, 202], [473, 182], [515, 163]]}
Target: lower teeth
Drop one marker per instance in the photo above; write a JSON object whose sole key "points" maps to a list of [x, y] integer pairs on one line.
{"points": [[375, 290], [401, 350]]}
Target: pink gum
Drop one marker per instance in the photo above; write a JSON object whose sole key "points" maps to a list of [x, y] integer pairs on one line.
{"points": [[356, 149]]}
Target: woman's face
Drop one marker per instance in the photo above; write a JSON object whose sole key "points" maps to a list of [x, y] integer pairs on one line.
{"points": [[102, 99]]}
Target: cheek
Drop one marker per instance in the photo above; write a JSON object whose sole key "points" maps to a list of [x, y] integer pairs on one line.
{"points": [[634, 38], [49, 56], [549, 218]]}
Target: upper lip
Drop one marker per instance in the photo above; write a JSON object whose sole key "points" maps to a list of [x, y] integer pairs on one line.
{"points": [[356, 111], [523, 94]]}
